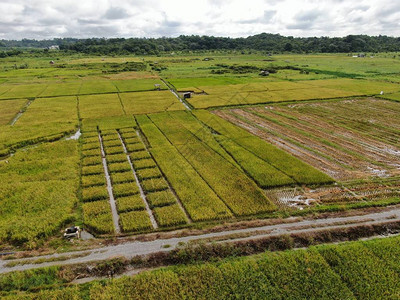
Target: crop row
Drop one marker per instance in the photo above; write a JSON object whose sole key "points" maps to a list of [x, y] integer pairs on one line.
{"points": [[238, 191], [299, 171], [157, 191], [96, 208], [198, 199], [129, 202]]}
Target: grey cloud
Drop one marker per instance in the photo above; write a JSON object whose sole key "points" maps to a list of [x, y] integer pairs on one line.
{"points": [[90, 21], [362, 8], [168, 23], [305, 20], [385, 11], [265, 19], [269, 14], [152, 18], [115, 13], [307, 16]]}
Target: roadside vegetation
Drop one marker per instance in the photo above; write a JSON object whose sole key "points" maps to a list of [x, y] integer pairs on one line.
{"points": [[354, 270]]}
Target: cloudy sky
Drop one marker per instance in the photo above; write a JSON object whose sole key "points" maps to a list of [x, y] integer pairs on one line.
{"points": [[42, 19]]}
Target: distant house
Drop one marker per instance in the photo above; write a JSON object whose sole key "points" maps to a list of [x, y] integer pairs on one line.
{"points": [[264, 73], [157, 86], [187, 95], [54, 47], [361, 55]]}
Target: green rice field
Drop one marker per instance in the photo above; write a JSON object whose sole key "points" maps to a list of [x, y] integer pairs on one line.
{"points": [[125, 153]]}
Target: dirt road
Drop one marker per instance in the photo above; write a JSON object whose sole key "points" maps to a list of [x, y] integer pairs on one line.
{"points": [[131, 249]]}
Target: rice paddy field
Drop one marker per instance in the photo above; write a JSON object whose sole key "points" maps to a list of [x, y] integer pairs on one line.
{"points": [[120, 151], [357, 270]]}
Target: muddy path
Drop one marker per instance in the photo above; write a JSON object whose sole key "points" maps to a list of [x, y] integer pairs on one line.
{"points": [[20, 113], [185, 104]]}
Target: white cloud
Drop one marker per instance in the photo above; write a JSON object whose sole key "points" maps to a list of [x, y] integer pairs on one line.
{"points": [[154, 18]]}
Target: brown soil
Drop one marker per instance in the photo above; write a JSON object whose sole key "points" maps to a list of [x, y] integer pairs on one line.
{"points": [[350, 139]]}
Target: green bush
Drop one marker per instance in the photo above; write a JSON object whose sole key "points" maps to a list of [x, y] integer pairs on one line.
{"points": [[132, 140], [109, 137], [91, 140], [112, 143]]}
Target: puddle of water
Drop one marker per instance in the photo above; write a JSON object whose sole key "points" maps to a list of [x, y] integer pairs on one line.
{"points": [[379, 173], [392, 151], [76, 136], [296, 201]]}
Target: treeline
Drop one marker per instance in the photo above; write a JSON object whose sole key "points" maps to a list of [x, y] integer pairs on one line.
{"points": [[274, 43], [31, 43]]}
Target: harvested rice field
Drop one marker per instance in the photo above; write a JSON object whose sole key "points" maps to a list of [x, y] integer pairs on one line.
{"points": [[348, 139]]}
